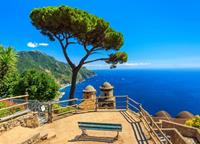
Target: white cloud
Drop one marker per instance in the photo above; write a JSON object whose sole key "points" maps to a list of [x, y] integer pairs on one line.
{"points": [[43, 44], [125, 65], [34, 44], [136, 64]]}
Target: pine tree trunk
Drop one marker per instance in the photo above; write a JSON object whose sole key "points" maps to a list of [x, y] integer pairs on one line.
{"points": [[73, 85]]}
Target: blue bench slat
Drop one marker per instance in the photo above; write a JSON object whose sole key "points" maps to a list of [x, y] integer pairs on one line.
{"points": [[99, 129], [100, 126], [99, 123]]}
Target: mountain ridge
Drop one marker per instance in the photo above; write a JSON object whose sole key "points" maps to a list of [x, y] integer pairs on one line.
{"points": [[42, 61]]}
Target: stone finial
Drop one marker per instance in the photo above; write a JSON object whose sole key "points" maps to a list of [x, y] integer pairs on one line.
{"points": [[89, 92], [106, 86], [163, 114], [89, 88], [185, 115]]}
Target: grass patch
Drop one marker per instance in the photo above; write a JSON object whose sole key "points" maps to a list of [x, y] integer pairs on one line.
{"points": [[7, 112], [57, 109]]}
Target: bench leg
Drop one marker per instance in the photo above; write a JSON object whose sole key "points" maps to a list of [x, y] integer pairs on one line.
{"points": [[116, 137], [84, 132]]}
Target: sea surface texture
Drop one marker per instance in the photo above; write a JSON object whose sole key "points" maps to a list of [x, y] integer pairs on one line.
{"points": [[169, 90]]}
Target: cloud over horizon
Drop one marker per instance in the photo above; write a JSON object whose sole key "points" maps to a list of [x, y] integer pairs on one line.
{"points": [[125, 65], [34, 44]]}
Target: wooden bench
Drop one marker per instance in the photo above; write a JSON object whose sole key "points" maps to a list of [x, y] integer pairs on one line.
{"points": [[99, 127]]}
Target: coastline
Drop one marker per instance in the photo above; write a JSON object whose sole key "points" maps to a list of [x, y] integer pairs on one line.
{"points": [[64, 86], [62, 93]]}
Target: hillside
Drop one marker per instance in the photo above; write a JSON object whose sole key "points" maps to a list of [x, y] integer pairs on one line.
{"points": [[60, 70]]}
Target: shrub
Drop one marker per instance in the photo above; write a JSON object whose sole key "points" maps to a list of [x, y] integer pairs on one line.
{"points": [[7, 112], [39, 85], [8, 74], [62, 109], [194, 122]]}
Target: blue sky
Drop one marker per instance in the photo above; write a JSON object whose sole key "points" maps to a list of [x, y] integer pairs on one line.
{"points": [[157, 33]]}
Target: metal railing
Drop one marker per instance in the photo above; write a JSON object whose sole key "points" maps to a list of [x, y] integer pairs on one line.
{"points": [[60, 108], [148, 122], [12, 105]]}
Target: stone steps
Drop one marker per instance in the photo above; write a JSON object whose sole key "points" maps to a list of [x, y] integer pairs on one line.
{"points": [[21, 135], [47, 135]]}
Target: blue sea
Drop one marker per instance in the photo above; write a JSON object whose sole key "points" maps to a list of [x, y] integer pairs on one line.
{"points": [[172, 90]]}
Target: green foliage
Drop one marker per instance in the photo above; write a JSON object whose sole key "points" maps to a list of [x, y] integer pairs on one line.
{"points": [[4, 113], [41, 61], [85, 27], [59, 109], [118, 57], [7, 112], [39, 85], [8, 74], [194, 122], [7, 61]]}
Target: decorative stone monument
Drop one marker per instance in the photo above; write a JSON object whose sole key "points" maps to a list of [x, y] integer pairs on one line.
{"points": [[89, 92], [89, 96], [106, 98]]}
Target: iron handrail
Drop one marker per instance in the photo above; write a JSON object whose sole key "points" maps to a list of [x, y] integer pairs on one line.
{"points": [[157, 127], [16, 105], [140, 109], [54, 102], [16, 97]]}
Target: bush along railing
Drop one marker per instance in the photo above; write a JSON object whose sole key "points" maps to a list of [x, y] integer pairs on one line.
{"points": [[13, 106], [57, 109], [155, 132]]}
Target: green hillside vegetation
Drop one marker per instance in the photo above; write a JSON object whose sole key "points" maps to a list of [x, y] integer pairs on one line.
{"points": [[60, 70]]}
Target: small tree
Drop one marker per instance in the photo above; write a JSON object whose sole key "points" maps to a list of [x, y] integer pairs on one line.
{"points": [[73, 26], [8, 59], [39, 85]]}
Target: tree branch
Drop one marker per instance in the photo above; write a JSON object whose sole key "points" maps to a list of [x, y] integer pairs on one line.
{"points": [[100, 59], [71, 43], [64, 48], [85, 48], [82, 61]]}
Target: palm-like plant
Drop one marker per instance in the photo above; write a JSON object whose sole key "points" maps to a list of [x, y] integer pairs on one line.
{"points": [[8, 60]]}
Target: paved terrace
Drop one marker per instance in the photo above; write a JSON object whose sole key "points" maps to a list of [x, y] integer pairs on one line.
{"points": [[67, 131]]}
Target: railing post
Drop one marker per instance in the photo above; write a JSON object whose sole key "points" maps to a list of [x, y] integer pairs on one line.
{"points": [[50, 113], [140, 111], [26, 99], [126, 102], [76, 107], [96, 104]]}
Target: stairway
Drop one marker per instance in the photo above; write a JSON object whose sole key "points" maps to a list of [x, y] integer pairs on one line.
{"points": [[21, 135], [163, 140], [137, 129]]}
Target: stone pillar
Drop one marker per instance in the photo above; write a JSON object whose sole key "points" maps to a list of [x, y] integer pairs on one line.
{"points": [[89, 92], [89, 96], [106, 98]]}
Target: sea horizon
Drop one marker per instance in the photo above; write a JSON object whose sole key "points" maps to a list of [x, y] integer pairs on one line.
{"points": [[171, 90]]}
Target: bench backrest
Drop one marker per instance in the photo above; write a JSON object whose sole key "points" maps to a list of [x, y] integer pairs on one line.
{"points": [[100, 126]]}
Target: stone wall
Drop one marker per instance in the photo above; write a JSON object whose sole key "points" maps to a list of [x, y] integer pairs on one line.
{"points": [[184, 130], [29, 120], [175, 136], [88, 104]]}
